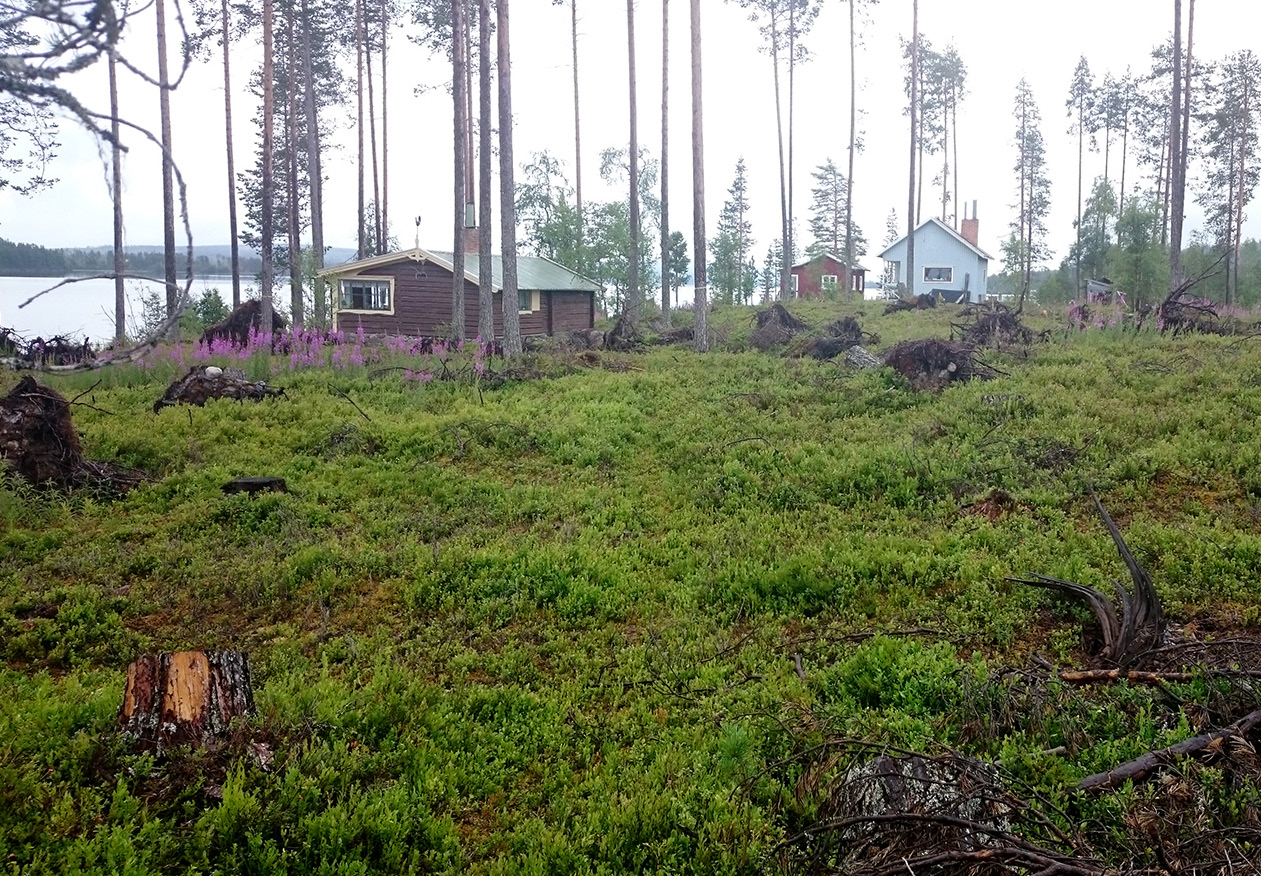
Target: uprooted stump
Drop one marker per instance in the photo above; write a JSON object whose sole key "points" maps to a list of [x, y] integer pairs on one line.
{"points": [[1140, 628], [38, 439], [775, 326], [992, 326], [185, 698], [932, 363], [247, 319], [624, 337], [900, 811], [838, 337], [204, 382], [923, 301]]}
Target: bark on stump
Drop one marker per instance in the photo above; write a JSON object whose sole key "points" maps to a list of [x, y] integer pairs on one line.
{"points": [[189, 697]]}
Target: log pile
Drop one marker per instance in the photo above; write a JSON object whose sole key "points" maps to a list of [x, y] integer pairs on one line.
{"points": [[38, 440], [185, 698], [205, 382]]}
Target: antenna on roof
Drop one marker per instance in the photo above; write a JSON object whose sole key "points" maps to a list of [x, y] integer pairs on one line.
{"points": [[417, 232]]}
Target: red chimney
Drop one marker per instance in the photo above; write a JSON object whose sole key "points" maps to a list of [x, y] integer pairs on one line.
{"points": [[471, 240], [971, 228]]}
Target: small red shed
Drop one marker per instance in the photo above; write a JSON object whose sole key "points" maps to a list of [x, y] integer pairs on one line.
{"points": [[827, 274]]}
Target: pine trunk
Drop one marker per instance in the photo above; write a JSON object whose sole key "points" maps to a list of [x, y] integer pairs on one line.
{"points": [[1177, 186], [459, 83], [853, 137], [314, 171], [910, 198], [633, 293], [785, 262], [378, 231], [507, 189], [116, 155], [700, 307], [168, 183], [297, 317], [267, 185], [385, 119], [185, 698], [227, 127], [363, 211], [665, 161], [486, 286], [573, 7]]}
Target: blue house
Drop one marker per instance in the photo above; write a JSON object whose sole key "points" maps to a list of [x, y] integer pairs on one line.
{"points": [[948, 263]]}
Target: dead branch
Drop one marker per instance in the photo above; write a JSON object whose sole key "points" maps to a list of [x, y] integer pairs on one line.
{"points": [[1143, 766], [351, 400]]}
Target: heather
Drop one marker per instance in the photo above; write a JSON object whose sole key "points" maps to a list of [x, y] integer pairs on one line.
{"points": [[602, 612]]}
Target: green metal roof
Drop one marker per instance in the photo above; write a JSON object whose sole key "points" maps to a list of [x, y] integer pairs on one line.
{"points": [[532, 273]]}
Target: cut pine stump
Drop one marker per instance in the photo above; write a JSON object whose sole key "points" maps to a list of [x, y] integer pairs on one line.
{"points": [[185, 698]]}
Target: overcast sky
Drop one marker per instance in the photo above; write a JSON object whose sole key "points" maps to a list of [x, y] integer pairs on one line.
{"points": [[999, 40]]}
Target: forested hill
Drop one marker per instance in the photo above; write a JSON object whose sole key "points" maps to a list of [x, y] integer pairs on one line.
{"points": [[29, 260]]}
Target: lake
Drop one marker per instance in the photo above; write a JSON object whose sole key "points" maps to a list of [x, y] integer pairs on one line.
{"points": [[85, 308]]}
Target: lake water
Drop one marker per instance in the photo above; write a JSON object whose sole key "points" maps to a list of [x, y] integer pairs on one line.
{"points": [[85, 308]]}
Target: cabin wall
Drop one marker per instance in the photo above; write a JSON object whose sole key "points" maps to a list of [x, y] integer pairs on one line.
{"points": [[422, 305]]}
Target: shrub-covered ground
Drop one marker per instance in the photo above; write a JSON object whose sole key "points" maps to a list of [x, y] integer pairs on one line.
{"points": [[555, 625]]}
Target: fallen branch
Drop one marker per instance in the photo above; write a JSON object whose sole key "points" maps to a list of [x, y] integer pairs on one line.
{"points": [[351, 400], [1143, 766], [1098, 676]]}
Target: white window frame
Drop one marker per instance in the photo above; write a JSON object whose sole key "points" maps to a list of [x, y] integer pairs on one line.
{"points": [[831, 280], [792, 283], [535, 300], [948, 278], [388, 282]]}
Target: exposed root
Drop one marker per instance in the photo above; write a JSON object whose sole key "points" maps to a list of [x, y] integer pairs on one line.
{"points": [[932, 363], [775, 327], [204, 382]]}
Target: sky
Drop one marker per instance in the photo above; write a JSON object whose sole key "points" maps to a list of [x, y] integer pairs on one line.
{"points": [[1000, 42]]}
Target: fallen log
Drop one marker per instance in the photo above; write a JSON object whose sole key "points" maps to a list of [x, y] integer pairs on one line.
{"points": [[188, 697], [1141, 767]]}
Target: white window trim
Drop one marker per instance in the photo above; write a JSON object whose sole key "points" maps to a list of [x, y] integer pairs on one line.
{"points": [[949, 279], [831, 280], [792, 282], [536, 302], [366, 278]]}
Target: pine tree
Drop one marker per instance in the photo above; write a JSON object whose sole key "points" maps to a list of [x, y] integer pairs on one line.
{"points": [[1027, 246], [828, 201], [731, 244]]}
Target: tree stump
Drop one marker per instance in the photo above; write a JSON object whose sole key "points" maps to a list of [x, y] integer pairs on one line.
{"points": [[189, 697]]}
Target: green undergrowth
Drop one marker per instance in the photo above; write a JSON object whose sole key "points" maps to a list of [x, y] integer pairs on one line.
{"points": [[550, 626]]}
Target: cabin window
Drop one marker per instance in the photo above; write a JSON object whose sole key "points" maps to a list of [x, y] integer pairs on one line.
{"points": [[792, 282], [830, 280], [528, 300], [366, 295], [939, 275]]}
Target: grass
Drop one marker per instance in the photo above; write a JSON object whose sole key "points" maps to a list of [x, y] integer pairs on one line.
{"points": [[550, 626]]}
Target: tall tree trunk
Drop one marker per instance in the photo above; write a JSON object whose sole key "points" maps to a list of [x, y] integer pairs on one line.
{"points": [[633, 293], [1023, 218], [700, 306], [381, 246], [910, 198], [853, 137], [1237, 237], [267, 194], [954, 136], [919, 143], [1230, 218], [168, 183], [486, 283], [295, 225], [363, 207], [385, 119], [945, 160], [315, 174], [665, 161], [1177, 183], [573, 9], [507, 189], [785, 266], [459, 83], [1125, 149], [789, 248], [1164, 184], [227, 127], [116, 155]]}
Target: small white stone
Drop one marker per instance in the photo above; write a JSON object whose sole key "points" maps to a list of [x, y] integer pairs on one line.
{"points": [[213, 371]]}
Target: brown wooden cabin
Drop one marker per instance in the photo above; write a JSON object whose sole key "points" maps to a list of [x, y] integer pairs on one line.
{"points": [[409, 293], [826, 274]]}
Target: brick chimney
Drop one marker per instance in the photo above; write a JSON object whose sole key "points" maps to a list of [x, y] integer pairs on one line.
{"points": [[971, 228], [471, 234]]}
